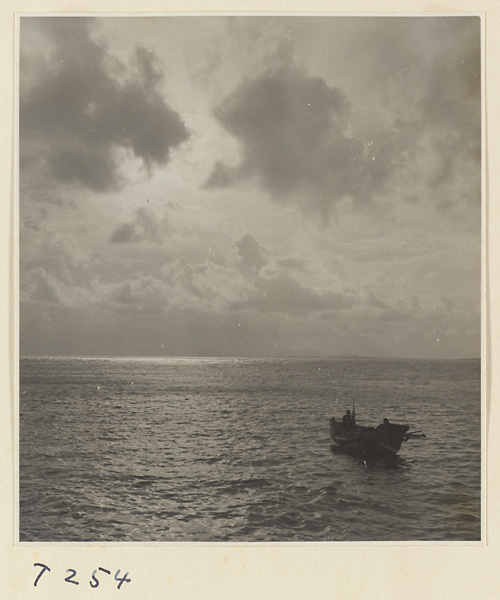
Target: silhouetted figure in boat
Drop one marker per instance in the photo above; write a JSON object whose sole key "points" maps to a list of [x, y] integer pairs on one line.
{"points": [[384, 426], [348, 420], [390, 434]]}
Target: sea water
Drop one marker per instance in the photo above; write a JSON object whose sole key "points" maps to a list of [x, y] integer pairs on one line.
{"points": [[237, 450]]}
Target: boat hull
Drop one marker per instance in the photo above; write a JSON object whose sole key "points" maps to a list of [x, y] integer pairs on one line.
{"points": [[368, 442]]}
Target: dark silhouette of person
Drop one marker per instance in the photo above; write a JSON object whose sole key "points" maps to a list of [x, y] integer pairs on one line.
{"points": [[384, 425], [348, 420]]}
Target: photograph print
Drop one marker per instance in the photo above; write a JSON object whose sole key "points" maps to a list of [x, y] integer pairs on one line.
{"points": [[249, 278]]}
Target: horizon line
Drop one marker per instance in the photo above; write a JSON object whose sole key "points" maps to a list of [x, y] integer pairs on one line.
{"points": [[289, 356]]}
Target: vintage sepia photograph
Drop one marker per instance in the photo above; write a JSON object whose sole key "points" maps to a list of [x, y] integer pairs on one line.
{"points": [[250, 256]]}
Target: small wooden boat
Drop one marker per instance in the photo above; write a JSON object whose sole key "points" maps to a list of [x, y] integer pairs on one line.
{"points": [[370, 442]]}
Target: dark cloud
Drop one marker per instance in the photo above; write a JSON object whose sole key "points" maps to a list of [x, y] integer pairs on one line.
{"points": [[78, 107], [252, 255], [434, 99], [221, 176], [295, 136], [145, 227], [452, 103], [302, 140], [124, 234]]}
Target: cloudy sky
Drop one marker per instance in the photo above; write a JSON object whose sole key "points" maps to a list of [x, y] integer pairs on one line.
{"points": [[250, 186]]}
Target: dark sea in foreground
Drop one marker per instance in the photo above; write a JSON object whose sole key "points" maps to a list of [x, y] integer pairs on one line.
{"points": [[237, 450]]}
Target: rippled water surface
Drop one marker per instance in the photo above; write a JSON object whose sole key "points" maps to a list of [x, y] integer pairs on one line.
{"points": [[237, 450]]}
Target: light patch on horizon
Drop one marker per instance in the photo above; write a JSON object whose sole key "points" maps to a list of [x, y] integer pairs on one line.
{"points": [[174, 205]]}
